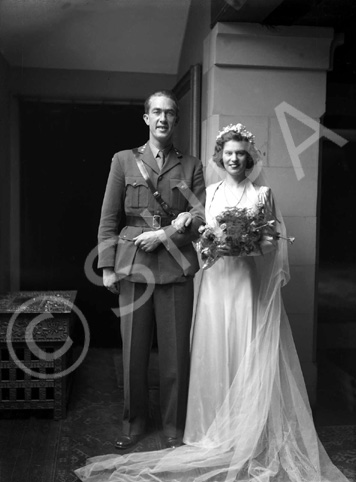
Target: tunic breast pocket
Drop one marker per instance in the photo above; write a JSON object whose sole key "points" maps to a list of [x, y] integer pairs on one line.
{"points": [[136, 193], [180, 193]]}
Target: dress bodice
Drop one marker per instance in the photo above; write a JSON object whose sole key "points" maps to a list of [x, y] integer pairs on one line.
{"points": [[221, 197]]}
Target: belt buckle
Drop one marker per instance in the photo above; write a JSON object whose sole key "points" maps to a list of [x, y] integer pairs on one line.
{"points": [[156, 221]]}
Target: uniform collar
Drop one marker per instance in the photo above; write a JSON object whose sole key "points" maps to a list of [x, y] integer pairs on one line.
{"points": [[147, 155], [154, 150]]}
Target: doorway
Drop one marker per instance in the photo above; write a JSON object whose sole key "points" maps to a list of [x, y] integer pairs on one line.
{"points": [[66, 151]]}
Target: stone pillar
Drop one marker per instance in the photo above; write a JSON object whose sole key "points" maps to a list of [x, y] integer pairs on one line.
{"points": [[248, 71]]}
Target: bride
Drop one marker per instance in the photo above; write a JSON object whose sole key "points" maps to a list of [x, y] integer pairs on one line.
{"points": [[248, 416]]}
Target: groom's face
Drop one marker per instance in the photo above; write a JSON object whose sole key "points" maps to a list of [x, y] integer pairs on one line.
{"points": [[161, 119]]}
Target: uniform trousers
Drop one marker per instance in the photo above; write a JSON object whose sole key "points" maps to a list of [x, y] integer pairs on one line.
{"points": [[170, 307]]}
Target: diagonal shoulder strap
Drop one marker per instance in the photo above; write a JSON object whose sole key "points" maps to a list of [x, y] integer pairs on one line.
{"points": [[150, 184]]}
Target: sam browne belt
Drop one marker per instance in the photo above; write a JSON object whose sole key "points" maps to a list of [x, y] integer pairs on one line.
{"points": [[153, 222], [156, 194]]}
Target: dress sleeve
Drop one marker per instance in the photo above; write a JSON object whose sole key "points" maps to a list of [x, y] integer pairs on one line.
{"points": [[265, 196]]}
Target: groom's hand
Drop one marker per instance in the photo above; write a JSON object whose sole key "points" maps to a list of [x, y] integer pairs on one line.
{"points": [[110, 281], [149, 240]]}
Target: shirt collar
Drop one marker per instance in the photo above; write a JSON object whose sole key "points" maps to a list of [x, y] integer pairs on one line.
{"points": [[155, 150]]}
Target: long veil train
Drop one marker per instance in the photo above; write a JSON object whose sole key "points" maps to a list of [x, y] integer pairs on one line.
{"points": [[263, 430]]}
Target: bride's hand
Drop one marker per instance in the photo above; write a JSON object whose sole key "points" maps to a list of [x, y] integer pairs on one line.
{"points": [[182, 221]]}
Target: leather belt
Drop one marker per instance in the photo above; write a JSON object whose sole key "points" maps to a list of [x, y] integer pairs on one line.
{"points": [[154, 222]]}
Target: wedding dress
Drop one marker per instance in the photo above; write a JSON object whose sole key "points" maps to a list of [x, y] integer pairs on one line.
{"points": [[248, 417]]}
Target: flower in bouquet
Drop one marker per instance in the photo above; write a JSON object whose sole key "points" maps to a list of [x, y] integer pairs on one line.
{"points": [[237, 232]]}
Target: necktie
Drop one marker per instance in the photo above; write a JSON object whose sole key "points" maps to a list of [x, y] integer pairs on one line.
{"points": [[160, 159]]}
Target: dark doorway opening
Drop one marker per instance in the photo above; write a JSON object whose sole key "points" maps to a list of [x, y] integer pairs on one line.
{"points": [[66, 151]]}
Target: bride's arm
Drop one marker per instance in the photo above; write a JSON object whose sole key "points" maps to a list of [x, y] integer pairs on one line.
{"points": [[269, 241]]}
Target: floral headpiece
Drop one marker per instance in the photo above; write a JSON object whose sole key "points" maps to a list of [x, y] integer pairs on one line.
{"points": [[239, 129]]}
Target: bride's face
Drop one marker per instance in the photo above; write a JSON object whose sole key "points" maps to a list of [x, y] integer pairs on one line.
{"points": [[234, 157]]}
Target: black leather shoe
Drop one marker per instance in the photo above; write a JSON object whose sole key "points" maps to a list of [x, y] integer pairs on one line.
{"points": [[126, 441], [173, 443]]}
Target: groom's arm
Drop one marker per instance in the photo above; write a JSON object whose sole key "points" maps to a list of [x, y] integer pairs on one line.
{"points": [[195, 206]]}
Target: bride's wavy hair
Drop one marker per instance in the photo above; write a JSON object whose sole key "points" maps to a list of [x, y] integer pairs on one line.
{"points": [[219, 147]]}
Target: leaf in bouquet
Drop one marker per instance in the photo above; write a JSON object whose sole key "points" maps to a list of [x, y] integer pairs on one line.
{"points": [[235, 231]]}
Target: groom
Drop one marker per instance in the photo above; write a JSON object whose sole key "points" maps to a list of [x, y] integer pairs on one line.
{"points": [[151, 266]]}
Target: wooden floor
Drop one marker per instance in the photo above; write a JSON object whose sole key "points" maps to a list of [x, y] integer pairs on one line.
{"points": [[35, 448]]}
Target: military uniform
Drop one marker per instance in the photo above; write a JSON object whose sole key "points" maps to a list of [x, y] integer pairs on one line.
{"points": [[129, 208]]}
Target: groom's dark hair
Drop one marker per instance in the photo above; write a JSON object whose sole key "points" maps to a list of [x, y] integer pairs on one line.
{"points": [[162, 93]]}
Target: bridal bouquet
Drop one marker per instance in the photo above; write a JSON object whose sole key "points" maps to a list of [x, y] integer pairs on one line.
{"points": [[238, 232]]}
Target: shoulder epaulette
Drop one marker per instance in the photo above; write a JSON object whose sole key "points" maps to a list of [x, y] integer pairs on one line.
{"points": [[178, 153], [142, 148]]}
